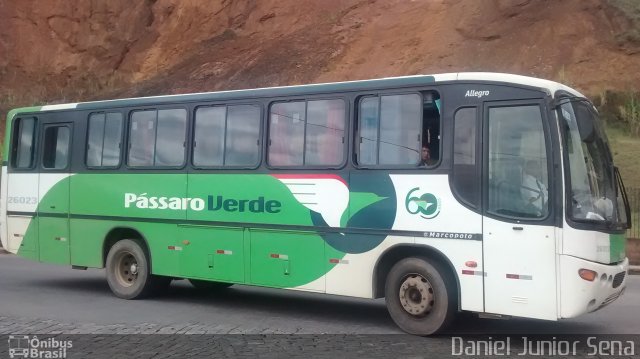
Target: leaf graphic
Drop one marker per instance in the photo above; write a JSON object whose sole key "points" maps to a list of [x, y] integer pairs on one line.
{"points": [[358, 201]]}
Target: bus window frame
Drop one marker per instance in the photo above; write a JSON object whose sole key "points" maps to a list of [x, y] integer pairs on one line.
{"points": [[67, 168], [35, 148], [347, 123], [122, 140], [565, 201], [192, 135], [479, 156], [550, 144], [394, 92], [186, 137]]}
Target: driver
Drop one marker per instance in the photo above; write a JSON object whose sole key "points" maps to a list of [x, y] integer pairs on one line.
{"points": [[533, 191]]}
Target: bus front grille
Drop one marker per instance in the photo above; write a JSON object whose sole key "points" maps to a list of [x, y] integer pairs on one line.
{"points": [[618, 279]]}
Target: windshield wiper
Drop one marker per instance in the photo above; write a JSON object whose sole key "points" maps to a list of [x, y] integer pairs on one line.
{"points": [[623, 192]]}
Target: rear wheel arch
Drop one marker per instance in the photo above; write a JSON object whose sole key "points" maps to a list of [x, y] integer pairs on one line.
{"points": [[398, 252], [119, 233]]}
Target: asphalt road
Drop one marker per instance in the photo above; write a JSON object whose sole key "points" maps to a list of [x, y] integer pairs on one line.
{"points": [[58, 303], [37, 297]]}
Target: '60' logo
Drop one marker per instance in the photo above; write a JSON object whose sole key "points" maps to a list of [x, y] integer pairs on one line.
{"points": [[427, 205]]}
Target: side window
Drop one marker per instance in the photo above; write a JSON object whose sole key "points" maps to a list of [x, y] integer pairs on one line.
{"points": [[242, 146], [227, 136], [518, 178], [399, 130], [157, 138], [23, 143], [307, 133], [465, 170], [104, 139], [324, 138], [56, 147]]}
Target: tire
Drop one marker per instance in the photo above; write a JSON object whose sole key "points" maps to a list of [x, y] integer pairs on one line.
{"points": [[129, 273], [208, 286], [420, 296]]}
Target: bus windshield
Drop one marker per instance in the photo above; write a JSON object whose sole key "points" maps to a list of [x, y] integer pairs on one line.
{"points": [[594, 194]]}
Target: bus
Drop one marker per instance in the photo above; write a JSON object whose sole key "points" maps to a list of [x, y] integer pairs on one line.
{"points": [[480, 192]]}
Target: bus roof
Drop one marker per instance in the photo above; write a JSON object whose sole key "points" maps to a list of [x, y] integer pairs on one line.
{"points": [[402, 81]]}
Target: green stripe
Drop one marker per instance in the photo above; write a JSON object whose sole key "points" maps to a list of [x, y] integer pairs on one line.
{"points": [[617, 243]]}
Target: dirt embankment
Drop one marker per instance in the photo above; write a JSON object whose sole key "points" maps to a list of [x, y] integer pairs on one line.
{"points": [[62, 50]]}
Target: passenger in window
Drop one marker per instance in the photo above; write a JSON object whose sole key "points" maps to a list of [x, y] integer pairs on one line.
{"points": [[425, 158], [533, 191]]}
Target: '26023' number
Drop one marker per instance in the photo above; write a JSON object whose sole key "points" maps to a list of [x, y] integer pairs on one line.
{"points": [[23, 200]]}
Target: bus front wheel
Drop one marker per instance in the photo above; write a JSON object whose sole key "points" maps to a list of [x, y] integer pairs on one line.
{"points": [[420, 296], [128, 271]]}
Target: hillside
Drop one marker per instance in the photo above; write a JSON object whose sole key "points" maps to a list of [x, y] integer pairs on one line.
{"points": [[66, 51], [62, 50]]}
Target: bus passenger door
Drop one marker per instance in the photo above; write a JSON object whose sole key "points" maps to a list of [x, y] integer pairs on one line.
{"points": [[53, 189], [518, 226]]}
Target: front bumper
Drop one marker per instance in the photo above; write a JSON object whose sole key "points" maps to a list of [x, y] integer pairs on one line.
{"points": [[578, 296]]}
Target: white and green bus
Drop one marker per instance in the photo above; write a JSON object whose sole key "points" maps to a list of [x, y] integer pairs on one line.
{"points": [[480, 192]]}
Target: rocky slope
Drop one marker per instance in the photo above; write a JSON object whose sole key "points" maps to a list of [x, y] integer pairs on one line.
{"points": [[62, 50]]}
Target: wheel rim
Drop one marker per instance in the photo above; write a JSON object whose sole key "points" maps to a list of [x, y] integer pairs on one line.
{"points": [[126, 269], [416, 295]]}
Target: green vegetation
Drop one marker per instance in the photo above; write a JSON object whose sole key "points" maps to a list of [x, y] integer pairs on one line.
{"points": [[620, 112], [630, 114], [626, 154]]}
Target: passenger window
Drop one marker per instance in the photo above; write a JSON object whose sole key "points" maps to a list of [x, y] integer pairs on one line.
{"points": [[307, 133], [227, 136], [242, 146], [103, 143], [399, 130], [209, 136], [324, 140], [465, 170], [56, 147], [157, 138], [369, 122], [23, 135], [518, 178]]}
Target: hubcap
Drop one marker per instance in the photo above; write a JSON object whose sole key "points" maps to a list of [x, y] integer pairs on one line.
{"points": [[126, 269], [416, 295]]}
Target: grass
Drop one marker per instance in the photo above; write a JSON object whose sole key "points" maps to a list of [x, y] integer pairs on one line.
{"points": [[626, 155]]}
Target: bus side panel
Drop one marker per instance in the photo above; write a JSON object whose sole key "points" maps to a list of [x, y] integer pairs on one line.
{"points": [[128, 201], [27, 230], [446, 225], [372, 205], [89, 237], [164, 246], [53, 235], [4, 231], [287, 259], [471, 280], [22, 204], [352, 275], [213, 253], [441, 228], [53, 223]]}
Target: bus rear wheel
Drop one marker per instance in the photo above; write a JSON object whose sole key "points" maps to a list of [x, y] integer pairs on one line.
{"points": [[128, 271], [420, 296]]}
